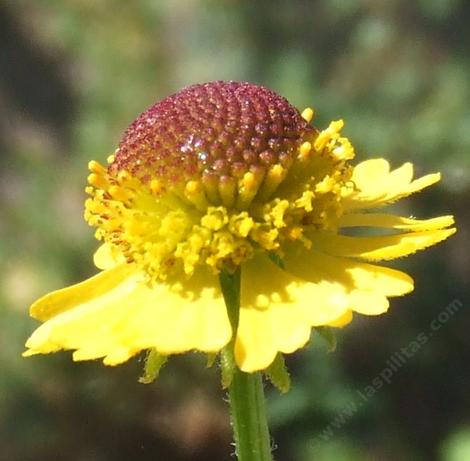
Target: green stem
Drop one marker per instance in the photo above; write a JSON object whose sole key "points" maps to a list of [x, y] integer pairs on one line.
{"points": [[248, 415], [246, 393]]}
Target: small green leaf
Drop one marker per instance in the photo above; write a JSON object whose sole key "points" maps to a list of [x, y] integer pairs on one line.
{"points": [[227, 366], [211, 358], [153, 364], [329, 335], [278, 375]]}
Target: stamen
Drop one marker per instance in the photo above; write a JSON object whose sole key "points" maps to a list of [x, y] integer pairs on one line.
{"points": [[95, 167], [304, 151], [308, 114], [274, 177], [156, 187], [97, 180], [210, 181], [227, 190], [120, 193], [327, 135], [249, 186], [195, 194]]}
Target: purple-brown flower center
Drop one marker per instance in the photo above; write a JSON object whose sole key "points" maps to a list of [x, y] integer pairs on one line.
{"points": [[217, 129]]}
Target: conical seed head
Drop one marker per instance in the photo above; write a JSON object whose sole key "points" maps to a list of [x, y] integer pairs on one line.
{"points": [[218, 129]]}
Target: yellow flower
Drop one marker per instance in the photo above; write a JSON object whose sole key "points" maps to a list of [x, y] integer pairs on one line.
{"points": [[223, 175]]}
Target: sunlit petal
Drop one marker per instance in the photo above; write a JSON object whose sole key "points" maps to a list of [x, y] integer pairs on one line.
{"points": [[113, 282], [131, 316], [278, 309], [394, 222], [353, 275], [378, 248], [374, 185]]}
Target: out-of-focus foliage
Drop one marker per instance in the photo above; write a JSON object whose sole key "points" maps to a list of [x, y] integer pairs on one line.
{"points": [[75, 73], [457, 447]]}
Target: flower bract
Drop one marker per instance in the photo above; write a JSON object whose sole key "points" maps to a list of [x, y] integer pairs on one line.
{"points": [[229, 175]]}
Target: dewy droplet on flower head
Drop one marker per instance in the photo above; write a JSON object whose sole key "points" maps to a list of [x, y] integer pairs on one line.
{"points": [[217, 177]]}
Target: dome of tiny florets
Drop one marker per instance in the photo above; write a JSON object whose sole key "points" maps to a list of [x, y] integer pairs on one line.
{"points": [[213, 129]]}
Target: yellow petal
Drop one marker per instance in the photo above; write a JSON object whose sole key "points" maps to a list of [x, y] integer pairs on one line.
{"points": [[93, 288], [394, 222], [375, 185], [343, 320], [378, 248], [352, 275], [368, 302], [261, 334], [131, 316], [106, 257], [278, 310]]}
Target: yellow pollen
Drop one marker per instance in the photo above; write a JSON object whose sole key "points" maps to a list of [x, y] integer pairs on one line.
{"points": [[278, 213], [97, 180], [156, 187], [305, 201], [328, 135], [308, 114], [110, 159], [193, 187], [194, 192], [247, 189], [123, 176], [227, 190], [95, 167], [215, 219], [249, 181], [304, 151], [119, 193], [295, 233], [211, 187], [274, 177], [241, 224]]}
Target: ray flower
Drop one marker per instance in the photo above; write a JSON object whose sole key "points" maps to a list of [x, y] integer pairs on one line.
{"points": [[222, 176]]}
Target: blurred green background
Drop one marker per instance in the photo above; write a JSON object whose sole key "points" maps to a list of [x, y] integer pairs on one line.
{"points": [[74, 74]]}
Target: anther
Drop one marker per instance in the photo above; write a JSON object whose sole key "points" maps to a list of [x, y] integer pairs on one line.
{"points": [[308, 114], [119, 193], [97, 180], [274, 177], [95, 167], [326, 135], [195, 194], [210, 181], [304, 151], [249, 186], [227, 190], [156, 187]]}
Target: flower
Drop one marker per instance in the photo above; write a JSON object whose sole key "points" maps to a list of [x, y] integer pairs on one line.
{"points": [[226, 175]]}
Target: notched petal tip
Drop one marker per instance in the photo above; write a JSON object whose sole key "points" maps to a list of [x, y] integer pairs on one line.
{"points": [[375, 184]]}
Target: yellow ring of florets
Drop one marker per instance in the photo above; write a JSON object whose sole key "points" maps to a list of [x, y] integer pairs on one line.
{"points": [[165, 230]]}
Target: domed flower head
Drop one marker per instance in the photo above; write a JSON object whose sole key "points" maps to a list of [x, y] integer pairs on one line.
{"points": [[223, 176]]}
